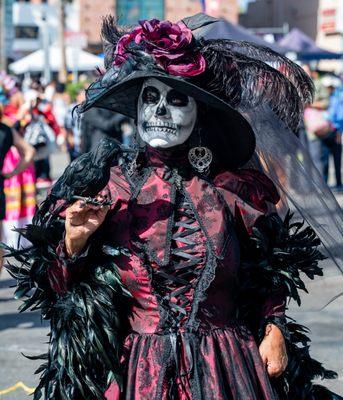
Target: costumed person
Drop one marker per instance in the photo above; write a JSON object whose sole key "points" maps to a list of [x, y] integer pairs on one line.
{"points": [[164, 268], [9, 138], [20, 188]]}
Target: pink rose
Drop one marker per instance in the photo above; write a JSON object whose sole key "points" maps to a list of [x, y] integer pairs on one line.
{"points": [[170, 44]]}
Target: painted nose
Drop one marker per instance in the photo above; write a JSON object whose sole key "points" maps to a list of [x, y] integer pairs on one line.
{"points": [[161, 111]]}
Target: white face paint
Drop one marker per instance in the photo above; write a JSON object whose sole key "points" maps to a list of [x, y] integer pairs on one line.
{"points": [[166, 117]]}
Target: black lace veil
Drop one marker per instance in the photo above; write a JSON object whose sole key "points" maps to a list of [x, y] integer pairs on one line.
{"points": [[285, 159]]}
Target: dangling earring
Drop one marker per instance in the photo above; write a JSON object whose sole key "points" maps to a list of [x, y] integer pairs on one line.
{"points": [[200, 157]]}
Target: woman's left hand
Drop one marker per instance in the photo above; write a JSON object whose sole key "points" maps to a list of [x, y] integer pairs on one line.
{"points": [[273, 351]]}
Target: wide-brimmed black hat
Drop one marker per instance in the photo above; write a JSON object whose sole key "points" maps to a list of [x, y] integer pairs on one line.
{"points": [[226, 76]]}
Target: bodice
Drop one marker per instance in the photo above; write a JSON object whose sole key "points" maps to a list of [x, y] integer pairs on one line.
{"points": [[182, 272]]}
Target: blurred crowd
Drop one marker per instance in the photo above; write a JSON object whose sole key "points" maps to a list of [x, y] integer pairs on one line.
{"points": [[38, 121], [323, 125]]}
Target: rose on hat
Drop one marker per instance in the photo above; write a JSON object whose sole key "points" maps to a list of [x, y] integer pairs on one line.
{"points": [[171, 45]]}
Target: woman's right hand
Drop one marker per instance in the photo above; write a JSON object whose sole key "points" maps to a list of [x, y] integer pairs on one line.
{"points": [[82, 220]]}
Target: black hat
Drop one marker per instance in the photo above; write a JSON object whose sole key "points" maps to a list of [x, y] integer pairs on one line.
{"points": [[226, 76]]}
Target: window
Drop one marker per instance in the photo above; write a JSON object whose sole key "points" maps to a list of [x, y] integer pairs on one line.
{"points": [[130, 11], [26, 32]]}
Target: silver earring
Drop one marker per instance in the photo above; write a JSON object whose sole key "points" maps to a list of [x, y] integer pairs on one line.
{"points": [[200, 159]]}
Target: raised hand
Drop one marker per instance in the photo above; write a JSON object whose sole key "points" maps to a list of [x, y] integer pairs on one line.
{"points": [[82, 220]]}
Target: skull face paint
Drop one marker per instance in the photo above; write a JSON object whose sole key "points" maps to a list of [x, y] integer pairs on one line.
{"points": [[166, 117]]}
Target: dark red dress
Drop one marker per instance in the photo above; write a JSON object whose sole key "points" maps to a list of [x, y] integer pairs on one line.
{"points": [[184, 340]]}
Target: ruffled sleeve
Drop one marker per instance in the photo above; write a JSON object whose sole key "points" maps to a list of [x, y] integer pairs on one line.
{"points": [[251, 195]]}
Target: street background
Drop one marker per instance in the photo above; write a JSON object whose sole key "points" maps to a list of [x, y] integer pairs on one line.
{"points": [[49, 53]]}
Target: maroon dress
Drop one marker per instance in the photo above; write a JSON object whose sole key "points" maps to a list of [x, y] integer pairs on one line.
{"points": [[184, 340]]}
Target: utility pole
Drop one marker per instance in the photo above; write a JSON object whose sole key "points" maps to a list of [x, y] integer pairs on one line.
{"points": [[6, 32], [62, 74], [3, 57], [45, 38]]}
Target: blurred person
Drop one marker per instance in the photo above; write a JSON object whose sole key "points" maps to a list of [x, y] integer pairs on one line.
{"points": [[315, 119], [3, 97], [98, 123], [15, 107], [60, 104], [26, 83], [34, 91], [128, 130], [41, 111], [8, 84], [20, 190], [73, 127], [331, 144], [50, 90], [45, 108], [9, 202]]}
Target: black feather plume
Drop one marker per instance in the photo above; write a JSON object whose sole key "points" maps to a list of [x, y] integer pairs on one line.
{"points": [[247, 75], [274, 256], [86, 320], [292, 71], [110, 33]]}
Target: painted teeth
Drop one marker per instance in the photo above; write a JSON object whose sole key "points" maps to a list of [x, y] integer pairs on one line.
{"points": [[163, 125], [159, 128]]}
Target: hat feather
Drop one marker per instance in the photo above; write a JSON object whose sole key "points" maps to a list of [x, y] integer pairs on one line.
{"points": [[110, 34], [246, 75]]}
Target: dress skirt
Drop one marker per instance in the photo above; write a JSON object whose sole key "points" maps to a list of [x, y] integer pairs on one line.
{"points": [[220, 364]]}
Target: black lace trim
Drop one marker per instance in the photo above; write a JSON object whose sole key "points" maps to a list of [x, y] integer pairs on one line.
{"points": [[207, 276], [138, 181], [182, 273]]}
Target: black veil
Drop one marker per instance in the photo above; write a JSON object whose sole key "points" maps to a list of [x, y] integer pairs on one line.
{"points": [[284, 158]]}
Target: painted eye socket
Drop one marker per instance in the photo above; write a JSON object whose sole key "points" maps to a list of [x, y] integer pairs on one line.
{"points": [[177, 99], [150, 95]]}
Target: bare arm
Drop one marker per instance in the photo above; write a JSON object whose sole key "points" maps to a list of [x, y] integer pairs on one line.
{"points": [[26, 151]]}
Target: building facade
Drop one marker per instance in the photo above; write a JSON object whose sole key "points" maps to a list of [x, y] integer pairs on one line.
{"points": [[128, 12], [176, 10], [302, 14], [85, 16], [322, 20], [330, 24], [330, 31], [32, 19], [90, 13]]}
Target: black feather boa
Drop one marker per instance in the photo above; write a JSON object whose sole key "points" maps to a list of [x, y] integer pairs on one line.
{"points": [[274, 256], [86, 321]]}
